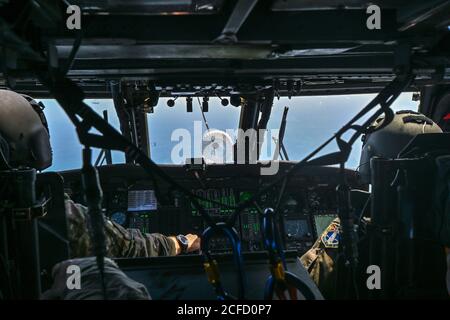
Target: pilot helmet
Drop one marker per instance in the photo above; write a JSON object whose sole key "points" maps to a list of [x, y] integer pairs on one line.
{"points": [[389, 141], [24, 135]]}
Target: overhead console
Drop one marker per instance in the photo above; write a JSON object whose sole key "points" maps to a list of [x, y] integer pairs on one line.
{"points": [[308, 205]]}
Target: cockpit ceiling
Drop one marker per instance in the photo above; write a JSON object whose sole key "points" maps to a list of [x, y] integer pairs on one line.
{"points": [[189, 7], [149, 7], [302, 38], [324, 43], [300, 5], [288, 22]]}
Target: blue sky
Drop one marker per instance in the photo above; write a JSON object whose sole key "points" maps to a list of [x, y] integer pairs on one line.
{"points": [[311, 120]]}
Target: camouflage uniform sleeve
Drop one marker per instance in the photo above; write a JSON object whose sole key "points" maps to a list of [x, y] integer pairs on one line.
{"points": [[78, 229], [320, 259], [120, 242], [133, 243]]}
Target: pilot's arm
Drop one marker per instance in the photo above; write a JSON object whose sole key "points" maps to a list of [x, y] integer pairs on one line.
{"points": [[321, 258], [120, 242]]}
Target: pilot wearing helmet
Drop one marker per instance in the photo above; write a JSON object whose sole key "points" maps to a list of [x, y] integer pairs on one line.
{"points": [[25, 142], [387, 142]]}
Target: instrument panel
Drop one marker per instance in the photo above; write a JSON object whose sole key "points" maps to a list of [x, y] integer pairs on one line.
{"points": [[306, 209]]}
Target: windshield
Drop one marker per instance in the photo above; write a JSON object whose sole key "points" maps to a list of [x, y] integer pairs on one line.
{"points": [[310, 121], [63, 137], [168, 126]]}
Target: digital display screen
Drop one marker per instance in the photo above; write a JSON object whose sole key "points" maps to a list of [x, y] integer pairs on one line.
{"points": [[224, 195], [296, 229], [142, 200], [321, 222], [141, 221]]}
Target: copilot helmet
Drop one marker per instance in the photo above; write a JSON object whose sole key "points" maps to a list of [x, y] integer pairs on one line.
{"points": [[24, 136], [389, 141]]}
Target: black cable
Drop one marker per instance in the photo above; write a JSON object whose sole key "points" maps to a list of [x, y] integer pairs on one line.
{"points": [[349, 236], [364, 208], [93, 198], [279, 279], [203, 113], [74, 51], [76, 44], [6, 290], [26, 8]]}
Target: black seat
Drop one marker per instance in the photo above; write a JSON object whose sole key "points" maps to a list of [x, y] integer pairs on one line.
{"points": [[53, 238]]}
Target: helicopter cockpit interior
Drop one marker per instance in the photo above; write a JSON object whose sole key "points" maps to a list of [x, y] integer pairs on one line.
{"points": [[256, 208]]}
